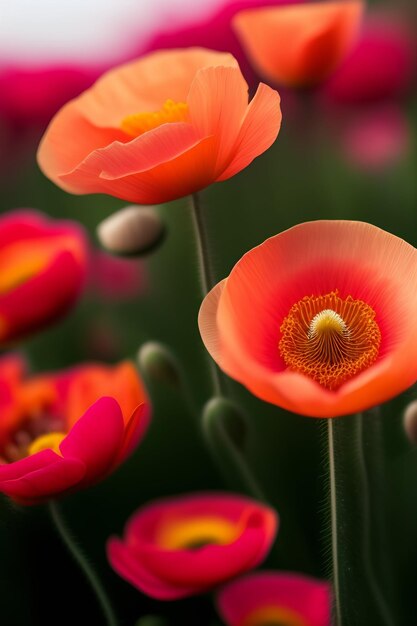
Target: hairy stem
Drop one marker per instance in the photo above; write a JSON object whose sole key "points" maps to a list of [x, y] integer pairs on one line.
{"points": [[356, 587], [82, 561]]}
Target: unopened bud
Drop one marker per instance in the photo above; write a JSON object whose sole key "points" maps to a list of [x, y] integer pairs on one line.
{"points": [[151, 620], [222, 416], [134, 230], [157, 362], [410, 422]]}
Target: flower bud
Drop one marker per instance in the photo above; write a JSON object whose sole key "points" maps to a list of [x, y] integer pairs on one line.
{"points": [[410, 422], [157, 362], [151, 620], [133, 230], [222, 415]]}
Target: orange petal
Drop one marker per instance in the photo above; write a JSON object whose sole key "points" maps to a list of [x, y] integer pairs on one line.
{"points": [[217, 103], [69, 139], [259, 130], [160, 165], [145, 84], [299, 44]]}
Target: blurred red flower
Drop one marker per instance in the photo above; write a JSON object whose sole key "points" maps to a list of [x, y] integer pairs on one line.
{"points": [[184, 546], [65, 431], [30, 96], [115, 278], [43, 270], [276, 598]]}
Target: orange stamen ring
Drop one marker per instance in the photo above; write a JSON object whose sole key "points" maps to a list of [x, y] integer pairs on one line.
{"points": [[139, 123], [330, 339]]}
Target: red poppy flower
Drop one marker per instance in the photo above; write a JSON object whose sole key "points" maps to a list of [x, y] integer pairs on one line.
{"points": [[319, 319], [63, 432], [43, 269], [160, 128], [184, 546]]}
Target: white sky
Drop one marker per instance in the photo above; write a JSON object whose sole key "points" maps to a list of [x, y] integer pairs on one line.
{"points": [[84, 30]]}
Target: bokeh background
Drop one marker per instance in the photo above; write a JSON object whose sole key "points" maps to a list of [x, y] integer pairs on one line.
{"points": [[333, 159]]}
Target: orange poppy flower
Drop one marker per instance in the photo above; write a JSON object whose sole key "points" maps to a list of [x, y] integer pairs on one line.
{"points": [[299, 45], [160, 128], [319, 319]]}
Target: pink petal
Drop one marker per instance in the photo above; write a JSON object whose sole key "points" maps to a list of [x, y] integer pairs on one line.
{"points": [[96, 438], [126, 564]]}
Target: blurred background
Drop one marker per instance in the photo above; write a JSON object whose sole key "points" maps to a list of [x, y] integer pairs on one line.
{"points": [[347, 151]]}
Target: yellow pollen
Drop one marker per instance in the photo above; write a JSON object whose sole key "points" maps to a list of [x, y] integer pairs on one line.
{"points": [[196, 532], [50, 441], [274, 616], [330, 339], [326, 322], [139, 123]]}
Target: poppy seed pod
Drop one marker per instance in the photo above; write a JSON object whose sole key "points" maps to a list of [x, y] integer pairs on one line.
{"points": [[133, 230], [410, 422]]}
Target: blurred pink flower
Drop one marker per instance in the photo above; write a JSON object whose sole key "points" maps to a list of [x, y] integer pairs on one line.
{"points": [[115, 278], [382, 65], [275, 598], [30, 96], [377, 138], [210, 31]]}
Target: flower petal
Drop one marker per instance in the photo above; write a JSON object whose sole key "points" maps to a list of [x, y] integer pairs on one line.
{"points": [[128, 567], [96, 438], [306, 597], [217, 102], [299, 44], [40, 476], [50, 294], [145, 84], [164, 164], [259, 130], [135, 430]]}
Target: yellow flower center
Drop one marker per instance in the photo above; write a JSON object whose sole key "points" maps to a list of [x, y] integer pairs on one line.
{"points": [[330, 339], [274, 616], [194, 533], [44, 442], [139, 123]]}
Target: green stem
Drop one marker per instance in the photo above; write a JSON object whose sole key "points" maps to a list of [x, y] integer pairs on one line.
{"points": [[356, 588], [217, 438], [206, 276], [82, 561]]}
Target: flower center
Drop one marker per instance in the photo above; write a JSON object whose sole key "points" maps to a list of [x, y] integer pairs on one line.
{"points": [[139, 123], [274, 616], [195, 533], [330, 339], [44, 442]]}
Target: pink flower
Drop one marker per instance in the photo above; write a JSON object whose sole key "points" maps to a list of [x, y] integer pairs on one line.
{"points": [[381, 65], [184, 546], [43, 269], [116, 278], [31, 96], [377, 138], [65, 431], [275, 598]]}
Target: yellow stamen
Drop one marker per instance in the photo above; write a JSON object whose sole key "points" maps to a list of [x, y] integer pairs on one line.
{"points": [[274, 616], [196, 532], [330, 339], [139, 123], [44, 442]]}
